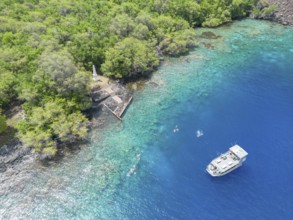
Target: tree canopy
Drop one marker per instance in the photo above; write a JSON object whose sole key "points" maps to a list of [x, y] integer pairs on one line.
{"points": [[3, 125], [129, 57], [45, 126], [47, 49]]}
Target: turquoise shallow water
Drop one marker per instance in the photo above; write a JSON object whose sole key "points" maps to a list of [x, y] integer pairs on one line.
{"points": [[236, 88]]}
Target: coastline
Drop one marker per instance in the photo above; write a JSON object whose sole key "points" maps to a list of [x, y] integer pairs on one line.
{"points": [[283, 15], [13, 153], [284, 12], [99, 114], [79, 174]]}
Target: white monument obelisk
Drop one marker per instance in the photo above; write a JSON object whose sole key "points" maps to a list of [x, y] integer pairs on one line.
{"points": [[95, 75]]}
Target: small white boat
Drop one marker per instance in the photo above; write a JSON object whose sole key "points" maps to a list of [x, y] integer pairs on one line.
{"points": [[227, 162]]}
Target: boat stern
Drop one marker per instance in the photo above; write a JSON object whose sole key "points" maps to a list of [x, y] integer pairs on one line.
{"points": [[212, 170]]}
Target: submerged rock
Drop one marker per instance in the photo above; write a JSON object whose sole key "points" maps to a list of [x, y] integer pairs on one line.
{"points": [[209, 35], [12, 154]]}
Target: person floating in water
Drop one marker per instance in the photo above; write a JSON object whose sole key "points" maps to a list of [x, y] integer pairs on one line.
{"points": [[133, 168], [199, 133], [176, 129]]}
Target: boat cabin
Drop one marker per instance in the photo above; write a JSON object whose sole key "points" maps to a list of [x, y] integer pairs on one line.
{"points": [[239, 152]]}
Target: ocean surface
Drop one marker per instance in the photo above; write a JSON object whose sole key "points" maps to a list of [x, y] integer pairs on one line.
{"points": [[235, 87]]}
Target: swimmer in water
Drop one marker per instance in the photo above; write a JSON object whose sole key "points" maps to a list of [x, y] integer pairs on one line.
{"points": [[199, 133], [176, 129]]}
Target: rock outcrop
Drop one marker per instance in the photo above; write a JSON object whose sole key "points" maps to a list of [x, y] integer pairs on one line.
{"points": [[284, 11]]}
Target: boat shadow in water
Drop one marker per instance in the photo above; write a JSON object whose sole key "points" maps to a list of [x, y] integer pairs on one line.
{"points": [[233, 177]]}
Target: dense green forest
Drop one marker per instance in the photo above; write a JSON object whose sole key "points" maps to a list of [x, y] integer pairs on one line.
{"points": [[47, 49]]}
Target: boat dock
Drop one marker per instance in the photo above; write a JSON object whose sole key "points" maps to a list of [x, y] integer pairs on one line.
{"points": [[114, 97]]}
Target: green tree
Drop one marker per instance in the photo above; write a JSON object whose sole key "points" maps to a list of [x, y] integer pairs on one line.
{"points": [[263, 9], [178, 43], [7, 88], [58, 76], [128, 58], [122, 25], [12, 59], [160, 6], [46, 126], [169, 24], [141, 32], [128, 8], [241, 8], [146, 19], [189, 10], [3, 124], [164, 25]]}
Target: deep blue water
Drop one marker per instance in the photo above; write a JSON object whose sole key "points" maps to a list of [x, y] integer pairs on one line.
{"points": [[252, 107], [255, 111], [240, 91]]}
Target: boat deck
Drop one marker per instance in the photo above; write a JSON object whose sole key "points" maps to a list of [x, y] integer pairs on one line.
{"points": [[225, 162]]}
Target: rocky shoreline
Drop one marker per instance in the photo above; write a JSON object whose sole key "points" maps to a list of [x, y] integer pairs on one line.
{"points": [[13, 153], [284, 12]]}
